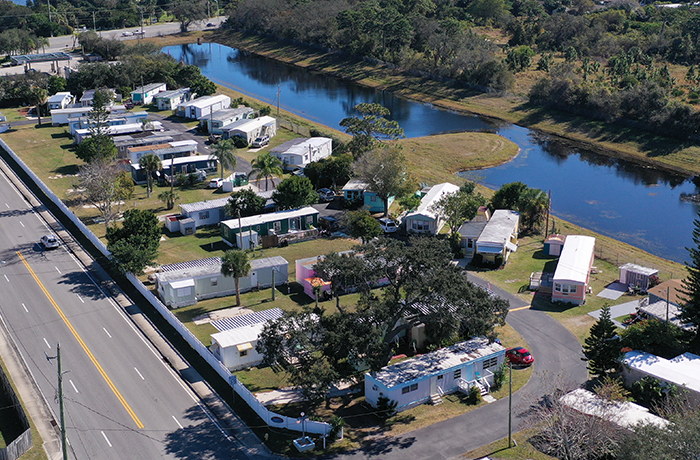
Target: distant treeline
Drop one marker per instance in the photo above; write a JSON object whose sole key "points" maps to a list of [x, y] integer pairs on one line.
{"points": [[616, 54]]}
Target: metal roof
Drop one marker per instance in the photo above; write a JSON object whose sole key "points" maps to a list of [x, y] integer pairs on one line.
{"points": [[225, 114], [233, 337], [437, 362], [204, 205], [172, 93], [236, 322], [433, 196], [59, 97], [209, 267], [270, 217], [622, 413], [471, 229], [247, 125], [300, 145], [147, 88], [206, 101], [499, 228], [683, 370], [575, 259], [658, 310], [634, 268]]}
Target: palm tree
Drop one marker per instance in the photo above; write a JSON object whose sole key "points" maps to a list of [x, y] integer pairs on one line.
{"points": [[225, 153], [266, 166], [150, 163], [169, 198], [37, 97], [533, 205], [235, 263]]}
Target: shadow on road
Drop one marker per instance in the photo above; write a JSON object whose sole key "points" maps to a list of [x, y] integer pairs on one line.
{"points": [[200, 439]]}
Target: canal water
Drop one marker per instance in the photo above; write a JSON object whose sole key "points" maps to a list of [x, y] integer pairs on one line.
{"points": [[617, 198]]}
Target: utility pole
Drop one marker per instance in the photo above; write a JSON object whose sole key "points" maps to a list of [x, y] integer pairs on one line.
{"points": [[61, 408], [510, 403], [278, 100], [94, 27]]}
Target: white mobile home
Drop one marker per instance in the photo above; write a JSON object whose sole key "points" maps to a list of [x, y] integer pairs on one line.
{"points": [[418, 380], [182, 284], [169, 100], [144, 94], [174, 149], [301, 151], [499, 237], [235, 345], [89, 95], [203, 106], [210, 212], [60, 100], [218, 120], [118, 130], [682, 371], [424, 219], [573, 269], [251, 129]]}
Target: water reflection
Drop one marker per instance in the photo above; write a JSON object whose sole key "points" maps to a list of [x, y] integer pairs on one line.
{"points": [[615, 197]]}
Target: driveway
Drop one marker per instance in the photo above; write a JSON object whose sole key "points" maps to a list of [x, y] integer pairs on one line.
{"points": [[558, 355]]}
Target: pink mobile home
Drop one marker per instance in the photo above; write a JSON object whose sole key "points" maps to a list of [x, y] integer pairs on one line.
{"points": [[573, 269], [306, 276]]}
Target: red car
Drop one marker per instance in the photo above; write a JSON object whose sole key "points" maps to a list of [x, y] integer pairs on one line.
{"points": [[520, 356]]}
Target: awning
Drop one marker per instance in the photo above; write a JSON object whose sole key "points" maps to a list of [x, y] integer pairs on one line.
{"points": [[244, 346], [488, 250], [512, 247], [182, 284]]}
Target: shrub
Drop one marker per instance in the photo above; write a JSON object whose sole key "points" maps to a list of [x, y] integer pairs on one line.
{"points": [[499, 377], [386, 407], [474, 395]]}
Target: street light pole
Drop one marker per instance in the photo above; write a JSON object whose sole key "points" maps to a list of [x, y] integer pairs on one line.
{"points": [[510, 403]]}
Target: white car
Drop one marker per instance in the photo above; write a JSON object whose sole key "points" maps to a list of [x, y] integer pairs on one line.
{"points": [[261, 142], [127, 34], [49, 241], [388, 225], [216, 183]]}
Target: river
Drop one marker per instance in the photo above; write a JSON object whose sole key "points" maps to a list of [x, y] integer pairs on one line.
{"points": [[617, 198]]}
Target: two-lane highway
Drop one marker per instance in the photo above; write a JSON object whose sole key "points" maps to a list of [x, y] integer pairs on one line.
{"points": [[121, 400]]}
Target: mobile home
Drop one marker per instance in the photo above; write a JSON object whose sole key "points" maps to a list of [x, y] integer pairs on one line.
{"points": [[169, 100], [277, 223], [186, 283], [429, 376], [424, 219], [573, 269], [251, 129], [301, 151], [499, 237], [144, 94]]}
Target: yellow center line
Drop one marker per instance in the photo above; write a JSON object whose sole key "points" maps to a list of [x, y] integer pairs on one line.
{"points": [[520, 308], [82, 344]]}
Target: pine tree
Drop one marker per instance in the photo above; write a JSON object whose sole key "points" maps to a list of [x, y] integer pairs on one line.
{"points": [[601, 348], [690, 309]]}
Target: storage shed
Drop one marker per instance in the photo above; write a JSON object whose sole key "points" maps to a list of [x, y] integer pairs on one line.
{"points": [[573, 270], [277, 223], [186, 283], [636, 276], [420, 379], [553, 244], [251, 129]]}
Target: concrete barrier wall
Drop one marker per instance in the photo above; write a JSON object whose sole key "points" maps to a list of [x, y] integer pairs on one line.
{"points": [[241, 390], [23, 442]]}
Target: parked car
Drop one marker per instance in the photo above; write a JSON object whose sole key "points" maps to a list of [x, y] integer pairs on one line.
{"points": [[211, 24], [216, 183], [329, 223], [261, 142], [520, 356], [49, 241], [388, 225], [126, 33], [325, 195], [129, 105]]}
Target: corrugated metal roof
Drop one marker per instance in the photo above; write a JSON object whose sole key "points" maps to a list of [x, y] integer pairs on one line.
{"points": [[147, 88], [433, 196], [209, 267], [233, 337], [683, 370], [236, 322], [575, 260], [300, 145], [204, 205], [247, 124], [172, 93], [437, 361], [499, 228], [271, 217]]}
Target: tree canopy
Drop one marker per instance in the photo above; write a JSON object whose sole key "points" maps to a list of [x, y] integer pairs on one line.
{"points": [[532, 204], [266, 166], [295, 192], [134, 244], [690, 311], [362, 225], [235, 263], [225, 153], [457, 208], [246, 202], [384, 171], [602, 348], [370, 128]]}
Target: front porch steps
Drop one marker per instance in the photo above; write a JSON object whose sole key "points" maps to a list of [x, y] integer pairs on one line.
{"points": [[435, 399]]}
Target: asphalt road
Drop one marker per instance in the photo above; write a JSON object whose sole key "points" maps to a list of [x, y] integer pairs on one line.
{"points": [[122, 400]]}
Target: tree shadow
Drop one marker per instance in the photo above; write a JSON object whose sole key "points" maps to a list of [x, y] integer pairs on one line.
{"points": [[81, 285], [67, 170], [200, 439], [542, 302], [63, 135], [215, 246]]}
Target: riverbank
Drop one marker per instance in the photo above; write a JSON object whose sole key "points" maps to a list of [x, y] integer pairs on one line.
{"points": [[600, 137]]}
